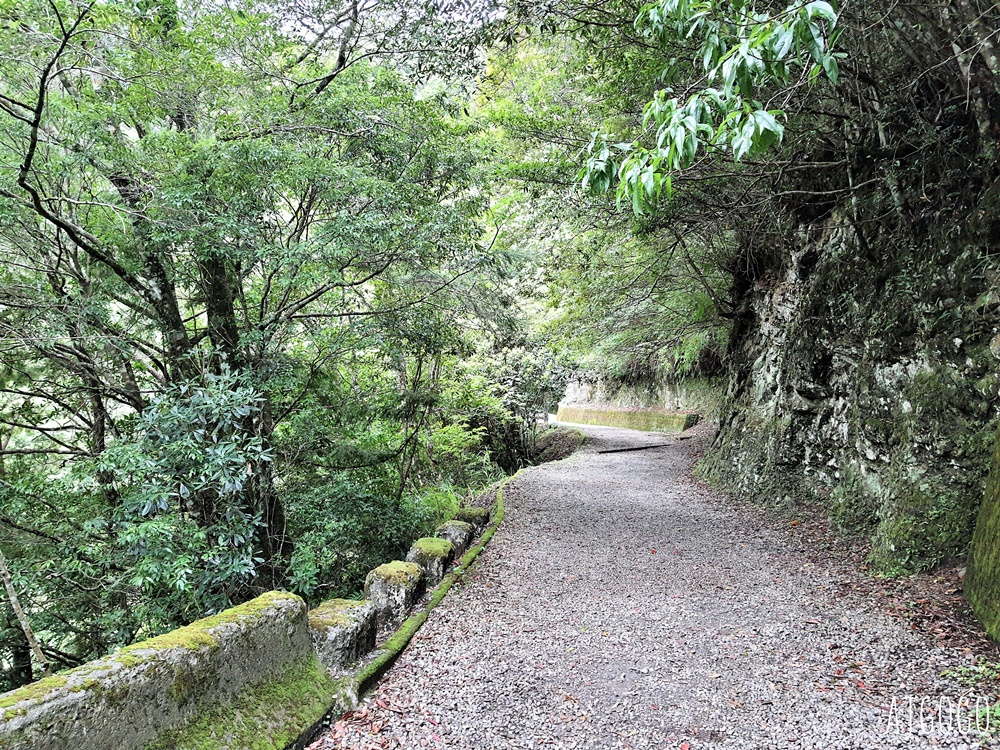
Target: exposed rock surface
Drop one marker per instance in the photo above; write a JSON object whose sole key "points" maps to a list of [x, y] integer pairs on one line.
{"points": [[393, 588], [982, 582], [699, 395], [459, 533], [556, 443], [433, 555], [342, 630], [871, 389], [623, 605], [478, 517], [864, 305]]}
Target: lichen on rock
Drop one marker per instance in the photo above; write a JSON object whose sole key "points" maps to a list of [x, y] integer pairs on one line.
{"points": [[393, 588], [342, 630], [459, 533]]}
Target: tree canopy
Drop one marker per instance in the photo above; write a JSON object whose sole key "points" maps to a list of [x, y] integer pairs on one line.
{"points": [[254, 329]]}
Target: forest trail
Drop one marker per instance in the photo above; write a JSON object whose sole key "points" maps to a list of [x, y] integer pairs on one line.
{"points": [[623, 605]]}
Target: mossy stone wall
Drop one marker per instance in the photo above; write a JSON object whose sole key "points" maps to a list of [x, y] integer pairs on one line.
{"points": [[633, 419], [982, 580], [700, 394], [138, 696]]}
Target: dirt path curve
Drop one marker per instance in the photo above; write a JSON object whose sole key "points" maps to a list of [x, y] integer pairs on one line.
{"points": [[623, 605]]}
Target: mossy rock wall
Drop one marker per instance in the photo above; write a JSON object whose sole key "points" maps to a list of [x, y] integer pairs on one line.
{"points": [[982, 581], [699, 394], [342, 631], [869, 387], [394, 588], [157, 693], [459, 533], [557, 443], [648, 420]]}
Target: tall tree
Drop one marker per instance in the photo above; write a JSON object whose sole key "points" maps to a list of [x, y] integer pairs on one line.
{"points": [[207, 210]]}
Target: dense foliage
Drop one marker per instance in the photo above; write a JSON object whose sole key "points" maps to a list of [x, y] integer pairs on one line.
{"points": [[253, 332], [631, 297]]}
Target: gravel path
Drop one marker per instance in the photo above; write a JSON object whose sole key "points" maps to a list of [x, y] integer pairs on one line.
{"points": [[623, 605]]}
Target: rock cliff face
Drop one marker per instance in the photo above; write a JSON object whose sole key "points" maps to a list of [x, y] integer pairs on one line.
{"points": [[868, 383], [864, 348], [982, 583]]}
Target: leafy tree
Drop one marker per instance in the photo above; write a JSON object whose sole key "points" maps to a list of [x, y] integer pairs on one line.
{"points": [[629, 298], [241, 252], [742, 53]]}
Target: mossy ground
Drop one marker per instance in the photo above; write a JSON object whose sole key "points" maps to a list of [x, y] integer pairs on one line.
{"points": [[264, 716]]}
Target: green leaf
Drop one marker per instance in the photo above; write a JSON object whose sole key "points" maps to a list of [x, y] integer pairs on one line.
{"points": [[831, 67]]}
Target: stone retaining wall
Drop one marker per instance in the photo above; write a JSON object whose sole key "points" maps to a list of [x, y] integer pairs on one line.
{"points": [[145, 692], [633, 419], [259, 675]]}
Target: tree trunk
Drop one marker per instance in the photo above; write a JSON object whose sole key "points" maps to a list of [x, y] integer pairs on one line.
{"points": [[22, 618], [21, 672], [275, 543]]}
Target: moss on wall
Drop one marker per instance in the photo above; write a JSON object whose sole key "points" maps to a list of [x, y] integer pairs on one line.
{"points": [[433, 547], [982, 582], [649, 421], [335, 613], [474, 515], [397, 571], [197, 635], [264, 716], [194, 637], [903, 467], [699, 394], [150, 690], [557, 443], [9, 702]]}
